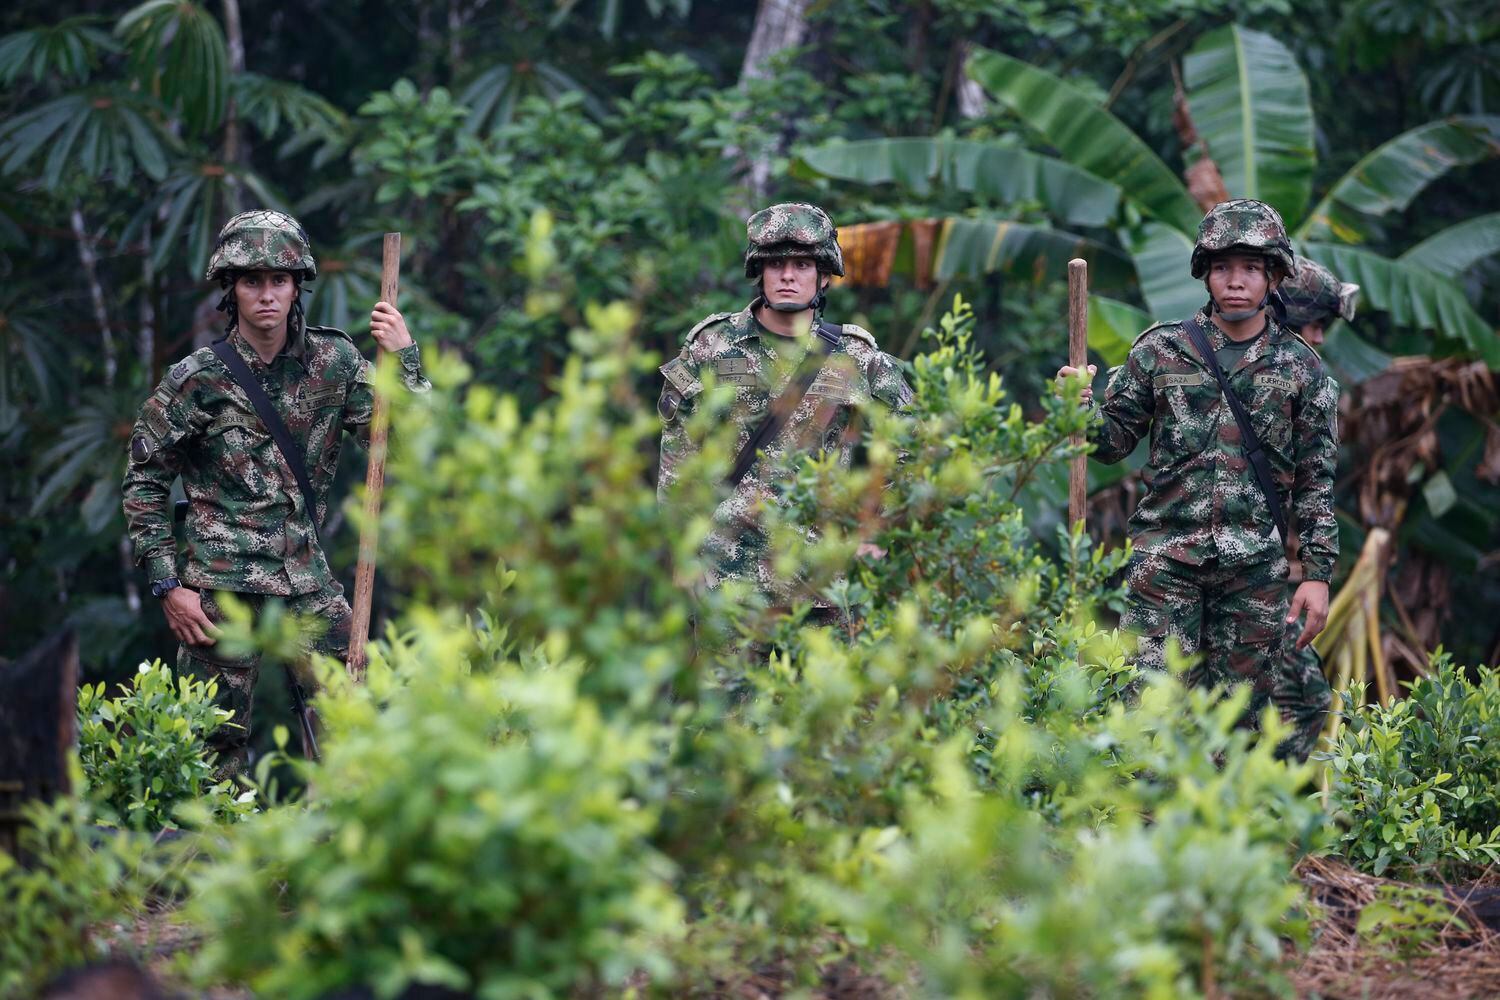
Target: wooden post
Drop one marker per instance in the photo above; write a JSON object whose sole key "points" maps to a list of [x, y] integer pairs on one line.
{"points": [[1078, 357], [369, 535]]}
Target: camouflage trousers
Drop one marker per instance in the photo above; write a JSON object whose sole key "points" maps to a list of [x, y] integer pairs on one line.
{"points": [[1303, 696], [237, 676], [1231, 617]]}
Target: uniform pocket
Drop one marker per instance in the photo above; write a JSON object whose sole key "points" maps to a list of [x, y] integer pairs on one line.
{"points": [[1189, 402]]}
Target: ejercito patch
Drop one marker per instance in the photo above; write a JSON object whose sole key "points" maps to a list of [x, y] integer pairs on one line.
{"points": [[1276, 382]]}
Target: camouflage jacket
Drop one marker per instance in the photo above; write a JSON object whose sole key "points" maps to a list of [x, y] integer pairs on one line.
{"points": [[734, 347], [1201, 499], [247, 525]]}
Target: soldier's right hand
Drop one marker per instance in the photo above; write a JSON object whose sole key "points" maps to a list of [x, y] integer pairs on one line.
{"points": [[1068, 370], [185, 617]]}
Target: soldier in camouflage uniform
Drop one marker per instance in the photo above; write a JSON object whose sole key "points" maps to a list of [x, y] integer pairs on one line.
{"points": [[1209, 568], [1310, 301], [248, 530], [791, 255]]}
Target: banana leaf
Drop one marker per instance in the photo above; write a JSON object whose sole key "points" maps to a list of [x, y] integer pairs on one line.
{"points": [[1162, 256], [986, 169], [1413, 297], [1086, 135], [1113, 327], [975, 247], [1250, 104], [1397, 171], [1352, 358], [1452, 251]]}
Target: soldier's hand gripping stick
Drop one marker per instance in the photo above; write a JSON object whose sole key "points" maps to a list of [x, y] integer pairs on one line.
{"points": [[380, 422], [1078, 357]]}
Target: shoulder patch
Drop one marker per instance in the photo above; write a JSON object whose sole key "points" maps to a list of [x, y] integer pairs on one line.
{"points": [[189, 366], [1152, 329], [681, 378], [704, 323], [860, 333]]}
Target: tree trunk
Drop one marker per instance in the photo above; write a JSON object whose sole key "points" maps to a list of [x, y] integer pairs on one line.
{"points": [[970, 96], [234, 151], [779, 25], [89, 261]]}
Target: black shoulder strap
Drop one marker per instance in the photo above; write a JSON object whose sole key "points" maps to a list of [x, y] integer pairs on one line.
{"points": [[782, 408], [246, 380], [1250, 441]]}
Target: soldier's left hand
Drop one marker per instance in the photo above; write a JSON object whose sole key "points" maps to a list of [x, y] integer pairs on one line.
{"points": [[1312, 597], [388, 327]]}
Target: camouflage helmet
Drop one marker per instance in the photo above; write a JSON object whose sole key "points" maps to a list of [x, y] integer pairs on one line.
{"points": [[1243, 224], [1315, 295], [793, 229], [262, 240]]}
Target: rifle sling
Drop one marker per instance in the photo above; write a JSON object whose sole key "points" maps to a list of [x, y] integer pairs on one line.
{"points": [[782, 408], [247, 381], [1260, 466]]}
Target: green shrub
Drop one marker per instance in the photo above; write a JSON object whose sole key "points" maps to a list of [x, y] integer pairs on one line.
{"points": [[543, 788], [78, 879], [1416, 785], [144, 752]]}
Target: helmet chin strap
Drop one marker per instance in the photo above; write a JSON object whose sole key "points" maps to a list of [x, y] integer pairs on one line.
{"points": [[815, 303], [1239, 316]]}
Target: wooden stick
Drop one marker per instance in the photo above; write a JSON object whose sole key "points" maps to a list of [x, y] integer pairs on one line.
{"points": [[369, 535], [1078, 357]]}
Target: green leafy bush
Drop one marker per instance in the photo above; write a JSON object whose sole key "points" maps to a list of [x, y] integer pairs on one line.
{"points": [[545, 789], [77, 880], [144, 752], [1416, 784]]}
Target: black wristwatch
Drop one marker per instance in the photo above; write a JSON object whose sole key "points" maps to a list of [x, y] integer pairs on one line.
{"points": [[159, 588]]}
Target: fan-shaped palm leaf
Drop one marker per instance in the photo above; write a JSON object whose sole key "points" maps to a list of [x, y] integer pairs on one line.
{"points": [[92, 133], [986, 169], [177, 49], [1086, 135], [67, 50], [1397, 171], [269, 104], [194, 201], [1250, 104], [493, 95]]}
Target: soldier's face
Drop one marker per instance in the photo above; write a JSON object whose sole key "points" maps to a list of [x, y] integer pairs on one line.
{"points": [[1313, 332], [264, 299], [794, 279], [1238, 281]]}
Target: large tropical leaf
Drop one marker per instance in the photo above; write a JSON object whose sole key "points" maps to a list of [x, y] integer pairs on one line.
{"points": [[1454, 250], [975, 247], [493, 95], [1249, 102], [269, 104], [68, 49], [193, 203], [1113, 327], [1162, 256], [91, 134], [1396, 172], [1413, 297], [1086, 135], [1352, 358], [177, 49], [986, 169]]}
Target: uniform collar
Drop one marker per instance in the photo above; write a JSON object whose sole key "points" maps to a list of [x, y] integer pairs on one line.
{"points": [[743, 325], [1268, 338], [294, 348]]}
